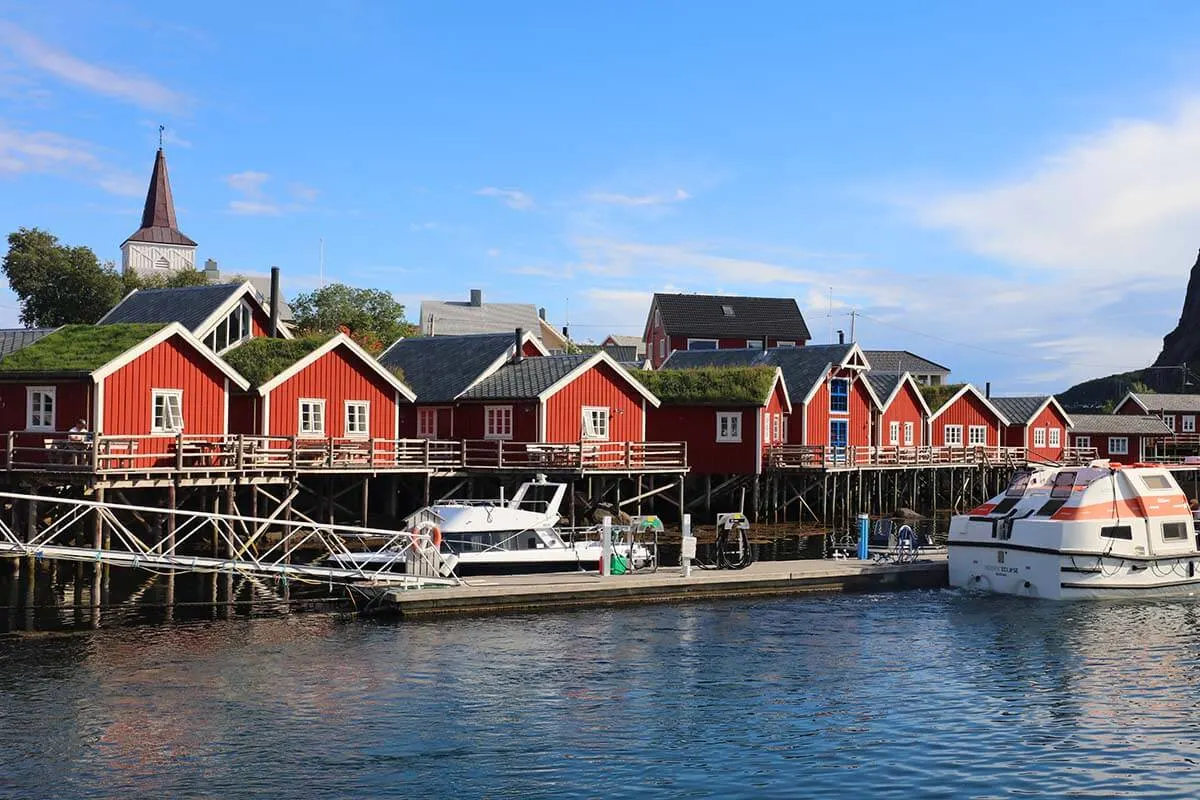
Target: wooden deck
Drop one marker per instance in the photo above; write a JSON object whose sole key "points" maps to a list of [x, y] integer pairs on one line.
{"points": [[570, 590], [817, 457]]}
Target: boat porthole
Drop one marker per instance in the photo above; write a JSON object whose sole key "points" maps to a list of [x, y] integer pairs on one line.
{"points": [[1028, 584]]}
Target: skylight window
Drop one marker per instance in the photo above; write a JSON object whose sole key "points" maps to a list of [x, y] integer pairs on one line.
{"points": [[727, 310]]}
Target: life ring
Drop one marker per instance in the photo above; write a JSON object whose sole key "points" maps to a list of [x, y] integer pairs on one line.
{"points": [[435, 536], [434, 532]]}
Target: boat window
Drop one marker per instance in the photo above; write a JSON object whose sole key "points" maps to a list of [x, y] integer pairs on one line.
{"points": [[1064, 482], [1117, 532], [537, 496], [1174, 531], [1157, 482], [1020, 483]]}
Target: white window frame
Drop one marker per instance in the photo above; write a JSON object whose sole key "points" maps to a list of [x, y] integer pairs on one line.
{"points": [[590, 416], [45, 391], [731, 422], [169, 426], [316, 403], [492, 416], [785, 344], [662, 349], [952, 441], [777, 428], [363, 406], [832, 381], [908, 434], [1122, 450], [894, 432], [1189, 423], [1083, 441], [1039, 437], [716, 344], [977, 435], [427, 422], [754, 344], [1055, 437], [1170, 420]]}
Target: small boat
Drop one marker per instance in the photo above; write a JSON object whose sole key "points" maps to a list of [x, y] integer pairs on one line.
{"points": [[1100, 531], [506, 537]]}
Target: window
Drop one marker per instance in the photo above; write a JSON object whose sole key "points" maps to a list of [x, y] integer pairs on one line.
{"points": [[595, 422], [1174, 531], [952, 435], [1189, 423], [702, 344], [727, 310], [497, 422], [1056, 437], [39, 414], [908, 434], [662, 349], [1039, 437], [1118, 445], [785, 344], [162, 263], [1083, 441], [839, 396], [839, 433], [427, 423], [1170, 420], [235, 328], [1117, 532], [754, 344], [977, 435], [1157, 482], [729, 426], [893, 433], [777, 428], [312, 417], [167, 405], [358, 418]]}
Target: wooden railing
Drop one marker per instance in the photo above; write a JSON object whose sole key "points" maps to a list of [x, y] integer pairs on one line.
{"points": [[61, 452], [793, 456]]}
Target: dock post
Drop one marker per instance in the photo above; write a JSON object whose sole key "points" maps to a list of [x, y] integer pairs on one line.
{"points": [[864, 533], [687, 547], [172, 504], [606, 546]]}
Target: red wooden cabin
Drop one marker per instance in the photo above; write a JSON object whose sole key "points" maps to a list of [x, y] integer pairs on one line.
{"points": [[967, 419], [682, 322], [1039, 424], [1125, 438], [1178, 412], [724, 435], [901, 413]]}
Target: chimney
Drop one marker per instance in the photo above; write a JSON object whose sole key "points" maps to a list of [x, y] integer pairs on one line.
{"points": [[476, 297], [542, 314], [841, 337], [211, 271], [518, 352], [275, 302], [987, 390]]}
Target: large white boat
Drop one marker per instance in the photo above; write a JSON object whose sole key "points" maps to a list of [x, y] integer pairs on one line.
{"points": [[1100, 531], [496, 537]]}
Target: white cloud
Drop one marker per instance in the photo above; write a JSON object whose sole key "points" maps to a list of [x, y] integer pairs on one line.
{"points": [[493, 252], [248, 182], [131, 88], [254, 208], [45, 152], [1115, 204], [611, 198], [303, 193], [513, 198], [255, 201]]}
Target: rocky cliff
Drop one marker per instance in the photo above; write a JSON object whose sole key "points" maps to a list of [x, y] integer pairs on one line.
{"points": [[1182, 345]]}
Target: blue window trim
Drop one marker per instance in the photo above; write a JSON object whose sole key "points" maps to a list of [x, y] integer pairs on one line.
{"points": [[845, 395]]}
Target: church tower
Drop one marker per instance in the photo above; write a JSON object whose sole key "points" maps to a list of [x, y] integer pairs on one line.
{"points": [[158, 246]]}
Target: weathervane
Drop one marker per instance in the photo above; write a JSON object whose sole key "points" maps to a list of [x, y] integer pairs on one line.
{"points": [[161, 128]]}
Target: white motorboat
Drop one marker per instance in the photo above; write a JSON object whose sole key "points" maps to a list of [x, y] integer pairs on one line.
{"points": [[494, 537], [1100, 531]]}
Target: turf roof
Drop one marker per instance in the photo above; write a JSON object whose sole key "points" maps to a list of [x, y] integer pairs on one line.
{"points": [[936, 396], [260, 359], [78, 348], [709, 385]]}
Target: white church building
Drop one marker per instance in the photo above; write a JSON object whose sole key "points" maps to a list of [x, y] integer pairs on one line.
{"points": [[158, 246]]}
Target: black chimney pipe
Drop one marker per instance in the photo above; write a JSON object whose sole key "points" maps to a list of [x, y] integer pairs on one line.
{"points": [[841, 337], [987, 390], [518, 354], [274, 302]]}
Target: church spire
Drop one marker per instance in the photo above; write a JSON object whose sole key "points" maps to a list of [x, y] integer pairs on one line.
{"points": [[158, 215]]}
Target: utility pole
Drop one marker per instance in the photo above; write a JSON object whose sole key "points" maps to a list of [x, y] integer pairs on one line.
{"points": [[853, 316]]}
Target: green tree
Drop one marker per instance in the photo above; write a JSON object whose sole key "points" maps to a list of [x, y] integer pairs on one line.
{"points": [[372, 317], [58, 284], [169, 280]]}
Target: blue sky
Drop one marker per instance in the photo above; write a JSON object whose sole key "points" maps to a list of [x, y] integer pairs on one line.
{"points": [[1004, 188]]}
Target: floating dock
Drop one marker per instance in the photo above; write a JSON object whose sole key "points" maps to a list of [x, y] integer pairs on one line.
{"points": [[524, 593]]}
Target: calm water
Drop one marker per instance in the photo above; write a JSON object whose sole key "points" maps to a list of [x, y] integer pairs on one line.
{"points": [[927, 694]]}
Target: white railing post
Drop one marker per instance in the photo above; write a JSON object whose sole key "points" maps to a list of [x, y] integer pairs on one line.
{"points": [[687, 547], [606, 546]]}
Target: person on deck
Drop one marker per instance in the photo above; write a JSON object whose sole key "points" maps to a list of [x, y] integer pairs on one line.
{"points": [[78, 432]]}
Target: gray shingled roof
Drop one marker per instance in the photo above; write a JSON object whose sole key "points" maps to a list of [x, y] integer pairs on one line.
{"points": [[883, 384], [14, 339], [898, 361], [802, 367], [439, 368], [459, 318], [1188, 403], [703, 315], [1119, 425], [190, 306], [1019, 410], [525, 380], [635, 342]]}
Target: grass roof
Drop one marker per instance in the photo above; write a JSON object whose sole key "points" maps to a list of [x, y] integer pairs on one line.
{"points": [[78, 348], [936, 396], [261, 359], [709, 385]]}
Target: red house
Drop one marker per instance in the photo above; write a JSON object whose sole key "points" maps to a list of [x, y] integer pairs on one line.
{"points": [[153, 382], [1039, 424], [967, 419], [728, 416], [1177, 411], [439, 369], [1121, 437], [679, 322], [901, 413], [313, 389]]}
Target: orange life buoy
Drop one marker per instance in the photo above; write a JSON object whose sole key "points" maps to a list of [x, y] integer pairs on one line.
{"points": [[436, 536]]}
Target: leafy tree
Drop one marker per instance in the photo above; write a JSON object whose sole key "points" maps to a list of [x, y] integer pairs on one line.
{"points": [[58, 284], [169, 280], [372, 317]]}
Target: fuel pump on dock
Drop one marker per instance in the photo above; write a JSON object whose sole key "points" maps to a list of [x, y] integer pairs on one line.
{"points": [[732, 548]]}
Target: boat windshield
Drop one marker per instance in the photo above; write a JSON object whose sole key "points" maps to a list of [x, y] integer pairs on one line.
{"points": [[1020, 483], [1064, 482], [537, 497]]}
